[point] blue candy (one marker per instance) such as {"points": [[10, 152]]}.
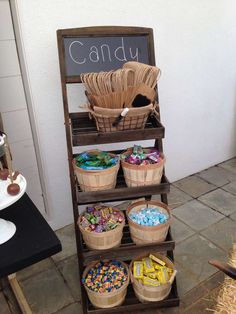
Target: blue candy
{"points": [[148, 217]]}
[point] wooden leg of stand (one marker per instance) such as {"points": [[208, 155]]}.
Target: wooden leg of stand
{"points": [[24, 306]]}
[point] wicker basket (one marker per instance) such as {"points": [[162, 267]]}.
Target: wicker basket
{"points": [[136, 118], [148, 234], [96, 180], [108, 299], [146, 293], [140, 175], [103, 240]]}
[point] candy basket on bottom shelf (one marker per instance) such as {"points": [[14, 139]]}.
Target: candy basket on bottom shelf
{"points": [[102, 218], [144, 234], [155, 292], [142, 174], [107, 299], [97, 178]]}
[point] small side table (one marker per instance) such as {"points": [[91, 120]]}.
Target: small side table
{"points": [[33, 241]]}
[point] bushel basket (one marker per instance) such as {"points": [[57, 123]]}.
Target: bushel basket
{"points": [[141, 234], [146, 293], [104, 240], [96, 180], [107, 299], [140, 175]]}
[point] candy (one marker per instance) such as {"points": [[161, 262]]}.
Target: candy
{"points": [[141, 156], [148, 216], [97, 160], [100, 218], [148, 265], [106, 276], [162, 275], [157, 260], [152, 273], [151, 282], [138, 270]]}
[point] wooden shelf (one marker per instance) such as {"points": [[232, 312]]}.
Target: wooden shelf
{"points": [[128, 249], [122, 192], [84, 132]]}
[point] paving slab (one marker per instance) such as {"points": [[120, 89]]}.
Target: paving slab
{"points": [[194, 295], [180, 231], [176, 197], [231, 187], [194, 186], [74, 308], [217, 176], [67, 238], [186, 279], [205, 305], [4, 309], [229, 165], [46, 292], [220, 200], [197, 215], [233, 216], [69, 270], [35, 269], [193, 255], [221, 233]]}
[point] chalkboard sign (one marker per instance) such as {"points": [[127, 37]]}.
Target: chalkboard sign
{"points": [[95, 49], [103, 54]]}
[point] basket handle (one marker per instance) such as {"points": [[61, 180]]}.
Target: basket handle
{"points": [[172, 278]]}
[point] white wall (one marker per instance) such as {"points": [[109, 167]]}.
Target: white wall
{"points": [[13, 109], [195, 48]]}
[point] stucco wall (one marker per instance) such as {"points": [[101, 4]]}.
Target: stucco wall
{"points": [[195, 49]]}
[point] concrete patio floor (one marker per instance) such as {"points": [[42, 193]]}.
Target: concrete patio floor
{"points": [[204, 222]]}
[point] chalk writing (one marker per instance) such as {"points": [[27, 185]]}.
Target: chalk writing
{"points": [[94, 54], [101, 53]]}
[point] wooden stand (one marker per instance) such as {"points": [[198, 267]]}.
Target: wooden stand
{"points": [[81, 131]]}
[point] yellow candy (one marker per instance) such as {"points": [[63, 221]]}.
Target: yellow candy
{"points": [[148, 265], [150, 282], [138, 269], [157, 260], [152, 275], [163, 275]]}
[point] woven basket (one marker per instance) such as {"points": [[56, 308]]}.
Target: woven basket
{"points": [[96, 180], [140, 175], [148, 234], [103, 240], [108, 299], [146, 293], [136, 118]]}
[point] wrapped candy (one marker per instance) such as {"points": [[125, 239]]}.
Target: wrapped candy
{"points": [[101, 218], [148, 216], [96, 160], [106, 276], [141, 156]]}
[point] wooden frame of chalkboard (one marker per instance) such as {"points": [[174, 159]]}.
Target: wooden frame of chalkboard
{"points": [[94, 49]]}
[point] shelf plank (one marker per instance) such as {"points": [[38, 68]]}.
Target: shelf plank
{"points": [[122, 192], [84, 131], [128, 249]]}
